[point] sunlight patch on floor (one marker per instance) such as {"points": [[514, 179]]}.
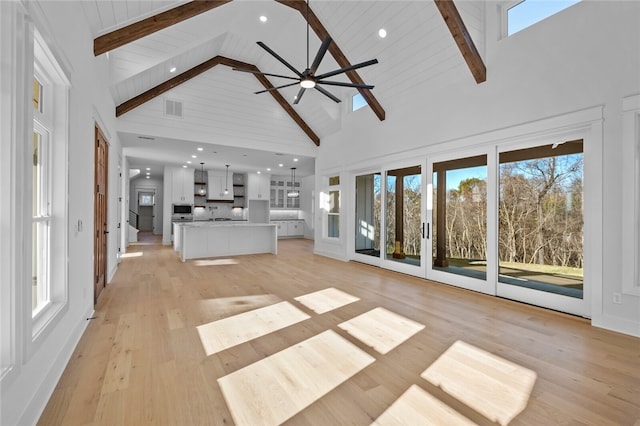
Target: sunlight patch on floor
{"points": [[134, 254], [274, 389], [494, 387], [223, 307], [228, 332], [418, 407], [215, 262], [381, 329], [326, 300]]}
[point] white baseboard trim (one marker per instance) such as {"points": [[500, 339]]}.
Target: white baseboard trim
{"points": [[616, 324], [112, 273], [36, 406], [329, 254]]}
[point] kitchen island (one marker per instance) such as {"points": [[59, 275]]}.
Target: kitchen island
{"points": [[195, 240]]}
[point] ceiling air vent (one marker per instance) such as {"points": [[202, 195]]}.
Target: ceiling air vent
{"points": [[172, 108]]}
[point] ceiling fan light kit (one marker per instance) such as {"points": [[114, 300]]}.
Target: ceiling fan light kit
{"points": [[307, 78]]}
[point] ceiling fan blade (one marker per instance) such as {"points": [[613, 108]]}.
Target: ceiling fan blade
{"points": [[327, 94], [279, 58], [275, 88], [340, 83], [299, 95], [323, 49], [349, 68], [266, 73]]}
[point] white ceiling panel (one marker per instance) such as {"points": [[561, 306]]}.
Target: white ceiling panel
{"points": [[418, 50]]}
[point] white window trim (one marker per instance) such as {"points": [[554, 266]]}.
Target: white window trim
{"points": [[631, 199], [55, 117], [325, 206], [44, 217]]}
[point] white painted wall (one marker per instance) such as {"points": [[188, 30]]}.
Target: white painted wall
{"points": [[37, 368], [585, 56], [307, 205]]}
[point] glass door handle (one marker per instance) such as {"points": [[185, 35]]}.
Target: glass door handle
{"points": [[428, 230]]}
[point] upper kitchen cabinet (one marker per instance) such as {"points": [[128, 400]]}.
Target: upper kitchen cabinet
{"points": [[258, 186], [219, 183], [182, 184], [281, 187]]}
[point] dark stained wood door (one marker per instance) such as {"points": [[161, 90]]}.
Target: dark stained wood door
{"points": [[100, 213]]}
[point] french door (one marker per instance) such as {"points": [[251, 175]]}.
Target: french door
{"points": [[457, 217], [504, 220], [389, 213], [540, 225]]}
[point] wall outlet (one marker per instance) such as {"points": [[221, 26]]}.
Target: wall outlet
{"points": [[617, 298]]}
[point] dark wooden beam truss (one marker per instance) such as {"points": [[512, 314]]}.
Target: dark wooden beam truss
{"points": [[207, 65], [462, 38], [150, 25]]}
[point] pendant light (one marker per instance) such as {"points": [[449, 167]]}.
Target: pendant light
{"points": [[202, 191], [226, 181], [293, 193]]}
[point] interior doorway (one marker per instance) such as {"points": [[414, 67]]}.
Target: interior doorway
{"points": [[101, 168], [146, 211]]}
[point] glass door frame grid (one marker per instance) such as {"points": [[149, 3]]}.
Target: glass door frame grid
{"points": [[487, 286], [571, 305], [415, 270], [353, 255]]}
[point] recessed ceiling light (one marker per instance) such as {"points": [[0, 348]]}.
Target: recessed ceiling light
{"points": [[295, 159], [194, 156], [148, 177], [148, 168], [280, 165], [173, 69], [259, 172], [382, 33], [262, 18], [188, 162], [269, 169], [200, 149], [184, 165], [148, 173]]}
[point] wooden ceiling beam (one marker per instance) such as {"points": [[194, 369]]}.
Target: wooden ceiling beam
{"points": [[137, 30], [338, 55], [207, 65], [462, 38]]}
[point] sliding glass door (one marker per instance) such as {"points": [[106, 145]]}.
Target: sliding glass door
{"points": [[540, 226], [457, 221], [368, 210], [506, 222], [389, 219]]}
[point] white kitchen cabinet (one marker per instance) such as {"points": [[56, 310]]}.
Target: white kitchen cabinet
{"points": [[295, 228], [258, 186], [182, 185], [280, 187], [282, 228], [217, 183], [289, 228]]}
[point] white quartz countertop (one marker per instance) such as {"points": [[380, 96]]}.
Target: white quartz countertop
{"points": [[221, 223]]}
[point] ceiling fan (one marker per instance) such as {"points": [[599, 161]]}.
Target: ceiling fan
{"points": [[308, 79]]}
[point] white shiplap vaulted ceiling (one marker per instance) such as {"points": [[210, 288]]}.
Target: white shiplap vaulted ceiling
{"points": [[219, 105]]}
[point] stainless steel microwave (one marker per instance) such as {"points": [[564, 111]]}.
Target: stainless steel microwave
{"points": [[182, 209]]}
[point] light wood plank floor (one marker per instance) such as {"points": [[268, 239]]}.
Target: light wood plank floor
{"points": [[463, 359]]}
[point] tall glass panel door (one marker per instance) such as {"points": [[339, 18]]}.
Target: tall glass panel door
{"points": [[458, 221], [540, 237], [368, 206], [403, 218]]}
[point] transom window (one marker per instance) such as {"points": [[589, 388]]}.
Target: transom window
{"points": [[528, 12], [358, 101]]}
